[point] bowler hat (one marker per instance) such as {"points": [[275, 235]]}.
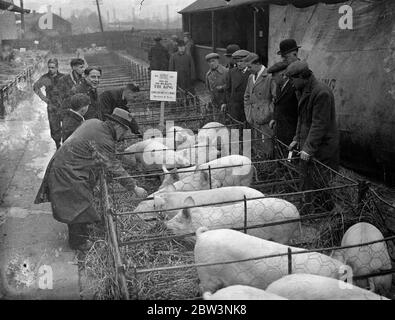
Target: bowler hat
{"points": [[252, 57], [230, 49], [212, 56], [297, 67], [287, 45], [123, 117], [277, 67], [240, 54]]}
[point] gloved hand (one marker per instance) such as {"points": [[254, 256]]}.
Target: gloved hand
{"points": [[140, 192]]}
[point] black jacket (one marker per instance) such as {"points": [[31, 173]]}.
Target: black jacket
{"points": [[71, 121]]}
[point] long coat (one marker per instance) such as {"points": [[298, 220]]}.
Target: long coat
{"points": [[185, 67], [286, 112], [235, 88], [317, 132], [258, 99], [216, 84], [158, 57], [74, 171], [94, 107]]}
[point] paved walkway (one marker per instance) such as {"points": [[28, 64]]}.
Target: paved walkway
{"points": [[35, 261]]}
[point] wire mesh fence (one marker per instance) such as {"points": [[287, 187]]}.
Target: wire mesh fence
{"points": [[158, 262]]}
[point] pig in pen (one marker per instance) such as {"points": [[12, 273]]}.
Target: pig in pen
{"points": [[157, 263]]}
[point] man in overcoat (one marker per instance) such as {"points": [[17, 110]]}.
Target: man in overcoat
{"points": [[185, 67], [215, 84], [158, 56], [74, 170], [258, 103], [236, 84], [285, 105], [316, 133]]}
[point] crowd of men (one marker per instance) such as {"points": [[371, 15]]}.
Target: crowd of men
{"points": [[284, 100]]}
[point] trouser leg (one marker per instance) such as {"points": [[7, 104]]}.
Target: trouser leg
{"points": [[78, 234], [55, 125]]}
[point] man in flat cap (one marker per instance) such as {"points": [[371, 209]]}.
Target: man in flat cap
{"points": [[230, 50], [258, 103], [316, 133], [215, 84], [183, 64], [158, 56], [172, 44], [285, 105], [189, 44], [289, 51], [236, 84], [74, 171]]}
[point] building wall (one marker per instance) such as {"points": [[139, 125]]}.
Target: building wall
{"points": [[358, 65], [8, 29]]}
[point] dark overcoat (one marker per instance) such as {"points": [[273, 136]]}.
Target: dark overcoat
{"points": [[317, 132], [111, 99], [286, 112], [185, 67], [94, 108], [235, 88], [71, 121], [74, 171], [158, 57]]}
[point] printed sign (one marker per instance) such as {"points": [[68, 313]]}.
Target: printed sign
{"points": [[163, 85]]}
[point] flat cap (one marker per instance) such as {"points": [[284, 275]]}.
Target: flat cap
{"points": [[181, 43], [296, 68], [158, 38], [252, 57], [230, 49], [212, 56], [240, 54], [277, 67]]}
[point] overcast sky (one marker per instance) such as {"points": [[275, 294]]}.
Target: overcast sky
{"points": [[123, 8]]}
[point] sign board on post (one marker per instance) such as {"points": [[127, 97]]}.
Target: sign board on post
{"points": [[163, 88]]}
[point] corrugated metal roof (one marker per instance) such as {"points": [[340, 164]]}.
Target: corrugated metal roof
{"points": [[204, 5], [4, 5]]}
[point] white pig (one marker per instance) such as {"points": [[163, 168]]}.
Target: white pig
{"points": [[169, 200], [366, 259], [156, 154], [216, 246], [260, 211], [210, 132], [315, 287], [241, 293], [234, 170]]}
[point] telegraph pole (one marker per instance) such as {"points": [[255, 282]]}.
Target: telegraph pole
{"points": [[98, 11], [22, 21]]}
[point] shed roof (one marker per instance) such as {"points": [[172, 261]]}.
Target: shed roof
{"points": [[9, 6], [208, 5]]}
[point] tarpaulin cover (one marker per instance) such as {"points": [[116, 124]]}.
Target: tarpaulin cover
{"points": [[202, 5], [358, 64]]}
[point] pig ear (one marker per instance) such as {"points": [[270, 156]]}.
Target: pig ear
{"points": [[189, 202], [204, 176], [164, 168], [159, 201], [186, 213], [171, 188]]}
